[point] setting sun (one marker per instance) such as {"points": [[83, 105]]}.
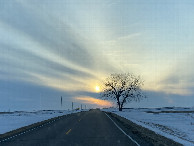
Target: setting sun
{"points": [[97, 88]]}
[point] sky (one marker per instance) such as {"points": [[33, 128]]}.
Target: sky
{"points": [[50, 49]]}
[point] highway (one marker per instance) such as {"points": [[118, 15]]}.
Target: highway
{"points": [[91, 128]]}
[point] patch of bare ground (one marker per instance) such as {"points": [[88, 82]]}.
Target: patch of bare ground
{"points": [[170, 112]]}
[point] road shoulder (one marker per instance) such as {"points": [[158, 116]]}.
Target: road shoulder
{"points": [[142, 135]]}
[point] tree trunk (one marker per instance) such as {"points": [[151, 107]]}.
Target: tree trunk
{"points": [[120, 107], [119, 104]]}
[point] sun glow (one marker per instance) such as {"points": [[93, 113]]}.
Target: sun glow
{"points": [[91, 100], [97, 88]]}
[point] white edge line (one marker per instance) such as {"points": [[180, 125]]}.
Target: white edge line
{"points": [[123, 131]]}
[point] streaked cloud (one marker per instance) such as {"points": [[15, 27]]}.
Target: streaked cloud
{"points": [[48, 51], [91, 100], [72, 45]]}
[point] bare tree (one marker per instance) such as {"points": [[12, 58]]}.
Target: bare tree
{"points": [[123, 88]]}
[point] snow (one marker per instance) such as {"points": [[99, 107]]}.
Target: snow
{"points": [[174, 123], [14, 120]]}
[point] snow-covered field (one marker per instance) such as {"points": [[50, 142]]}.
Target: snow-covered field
{"points": [[174, 123], [15, 120]]}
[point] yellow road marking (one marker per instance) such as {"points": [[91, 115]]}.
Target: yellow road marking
{"points": [[68, 131]]}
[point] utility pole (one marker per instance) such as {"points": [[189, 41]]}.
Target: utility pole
{"points": [[81, 106], [72, 105], [85, 106], [61, 101]]}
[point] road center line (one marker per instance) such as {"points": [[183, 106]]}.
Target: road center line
{"points": [[68, 131], [123, 131]]}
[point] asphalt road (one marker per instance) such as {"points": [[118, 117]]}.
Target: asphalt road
{"points": [[85, 128]]}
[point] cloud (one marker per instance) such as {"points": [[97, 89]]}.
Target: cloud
{"points": [[112, 2], [171, 79], [48, 31], [128, 37], [162, 99], [43, 48], [20, 95], [179, 80], [91, 100]]}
